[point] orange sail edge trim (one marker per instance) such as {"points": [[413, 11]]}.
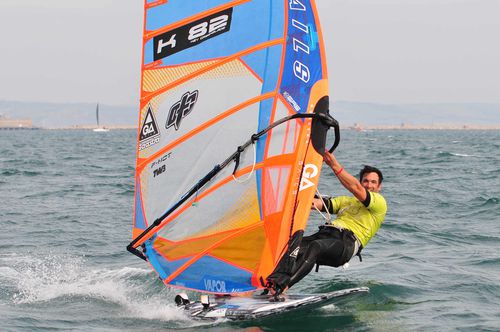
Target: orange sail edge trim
{"points": [[298, 204], [183, 267], [142, 163], [138, 191], [147, 96], [313, 157], [154, 4], [321, 40], [151, 33], [138, 130]]}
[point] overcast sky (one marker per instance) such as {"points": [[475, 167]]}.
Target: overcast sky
{"points": [[387, 51]]}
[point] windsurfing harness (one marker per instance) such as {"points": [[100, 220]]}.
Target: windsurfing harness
{"points": [[221, 88]]}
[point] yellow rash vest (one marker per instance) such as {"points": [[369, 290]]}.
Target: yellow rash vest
{"points": [[363, 221]]}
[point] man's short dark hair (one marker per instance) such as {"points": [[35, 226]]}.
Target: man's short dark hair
{"points": [[370, 169]]}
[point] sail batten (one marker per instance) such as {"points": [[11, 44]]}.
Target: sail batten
{"points": [[225, 167], [199, 15], [212, 65]]}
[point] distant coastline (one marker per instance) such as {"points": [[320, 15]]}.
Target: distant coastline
{"points": [[356, 115], [77, 127], [424, 127]]}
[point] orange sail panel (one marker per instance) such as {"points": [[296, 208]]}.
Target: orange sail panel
{"points": [[215, 73]]}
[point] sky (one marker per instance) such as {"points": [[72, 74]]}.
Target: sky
{"points": [[381, 51]]}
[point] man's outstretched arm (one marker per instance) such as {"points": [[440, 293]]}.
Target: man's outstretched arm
{"points": [[348, 181]]}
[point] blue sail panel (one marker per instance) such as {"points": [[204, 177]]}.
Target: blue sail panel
{"points": [[213, 275]]}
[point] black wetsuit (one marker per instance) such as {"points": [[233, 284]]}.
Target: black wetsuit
{"points": [[329, 246]]}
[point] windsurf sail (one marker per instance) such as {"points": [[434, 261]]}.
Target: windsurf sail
{"points": [[97, 114], [99, 128], [232, 126]]}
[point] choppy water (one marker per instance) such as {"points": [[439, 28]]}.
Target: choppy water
{"points": [[66, 205]]}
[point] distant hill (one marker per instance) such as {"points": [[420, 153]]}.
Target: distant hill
{"points": [[371, 114], [51, 115]]}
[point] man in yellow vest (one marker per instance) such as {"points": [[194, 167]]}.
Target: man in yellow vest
{"points": [[358, 219]]}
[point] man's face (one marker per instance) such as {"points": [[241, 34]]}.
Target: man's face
{"points": [[371, 182]]}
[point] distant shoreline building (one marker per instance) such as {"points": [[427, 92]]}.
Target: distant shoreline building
{"points": [[15, 124]]}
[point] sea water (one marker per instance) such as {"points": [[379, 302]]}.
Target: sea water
{"points": [[66, 204]]}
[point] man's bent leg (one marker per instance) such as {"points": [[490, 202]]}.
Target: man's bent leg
{"points": [[279, 279], [328, 251], [305, 263]]}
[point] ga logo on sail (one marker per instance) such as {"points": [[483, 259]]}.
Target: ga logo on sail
{"points": [[149, 134], [310, 172]]}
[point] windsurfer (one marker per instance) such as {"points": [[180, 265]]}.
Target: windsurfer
{"points": [[358, 219]]}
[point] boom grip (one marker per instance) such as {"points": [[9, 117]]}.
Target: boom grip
{"points": [[336, 130]]}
